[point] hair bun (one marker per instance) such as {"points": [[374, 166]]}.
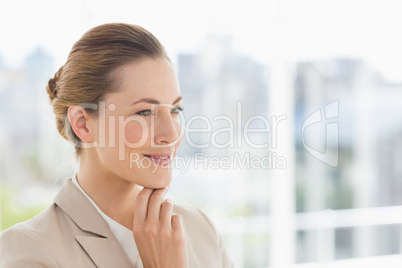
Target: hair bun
{"points": [[52, 88]]}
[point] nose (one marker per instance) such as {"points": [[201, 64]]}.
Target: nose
{"points": [[166, 128]]}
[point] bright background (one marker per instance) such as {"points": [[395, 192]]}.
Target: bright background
{"points": [[290, 57]]}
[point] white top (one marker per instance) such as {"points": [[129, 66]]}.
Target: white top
{"points": [[123, 235]]}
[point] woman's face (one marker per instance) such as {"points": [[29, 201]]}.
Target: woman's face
{"points": [[138, 129]]}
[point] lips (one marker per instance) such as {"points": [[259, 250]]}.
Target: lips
{"points": [[160, 158]]}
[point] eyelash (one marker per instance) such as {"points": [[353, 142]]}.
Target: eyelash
{"points": [[179, 108], [150, 112]]}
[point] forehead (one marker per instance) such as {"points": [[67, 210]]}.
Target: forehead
{"points": [[147, 78]]}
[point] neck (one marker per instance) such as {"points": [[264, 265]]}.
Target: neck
{"points": [[113, 195]]}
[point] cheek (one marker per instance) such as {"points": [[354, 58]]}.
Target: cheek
{"points": [[136, 133], [179, 129], [180, 132]]}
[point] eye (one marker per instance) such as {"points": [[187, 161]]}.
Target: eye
{"points": [[177, 110], [145, 112]]}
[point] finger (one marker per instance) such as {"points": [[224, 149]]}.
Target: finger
{"points": [[154, 204], [178, 230], [166, 213], [141, 205]]}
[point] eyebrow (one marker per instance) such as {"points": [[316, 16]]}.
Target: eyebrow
{"points": [[153, 101]]}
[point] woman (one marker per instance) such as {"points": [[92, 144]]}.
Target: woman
{"points": [[118, 100]]}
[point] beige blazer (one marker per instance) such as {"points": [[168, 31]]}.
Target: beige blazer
{"points": [[71, 234]]}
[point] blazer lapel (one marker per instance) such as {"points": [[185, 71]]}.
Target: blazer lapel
{"points": [[104, 252], [99, 242]]}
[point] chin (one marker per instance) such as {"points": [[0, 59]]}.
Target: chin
{"points": [[156, 180]]}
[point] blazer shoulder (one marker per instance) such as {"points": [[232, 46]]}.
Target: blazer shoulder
{"points": [[38, 225], [19, 247], [203, 236], [185, 209], [194, 214]]}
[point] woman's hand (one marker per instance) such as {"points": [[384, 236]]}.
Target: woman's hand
{"points": [[159, 235]]}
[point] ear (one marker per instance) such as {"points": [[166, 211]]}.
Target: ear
{"points": [[78, 118]]}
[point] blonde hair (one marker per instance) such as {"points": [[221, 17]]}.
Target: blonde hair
{"points": [[90, 71]]}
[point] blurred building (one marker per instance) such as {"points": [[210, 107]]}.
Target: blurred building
{"points": [[214, 82], [28, 129], [369, 147]]}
